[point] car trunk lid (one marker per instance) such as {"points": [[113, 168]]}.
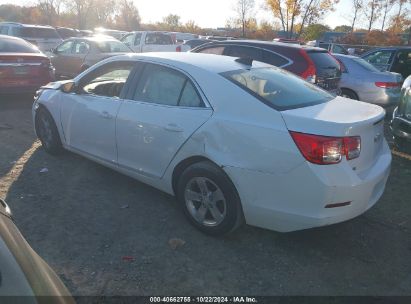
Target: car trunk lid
{"points": [[342, 117], [21, 65]]}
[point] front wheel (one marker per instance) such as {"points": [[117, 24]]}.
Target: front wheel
{"points": [[47, 132], [209, 199]]}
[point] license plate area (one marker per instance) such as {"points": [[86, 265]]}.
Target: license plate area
{"points": [[21, 70]]}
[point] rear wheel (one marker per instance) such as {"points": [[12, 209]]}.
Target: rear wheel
{"points": [[209, 199], [349, 94], [47, 132]]}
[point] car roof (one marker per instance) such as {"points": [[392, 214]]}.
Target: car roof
{"points": [[208, 62], [261, 43], [95, 38]]}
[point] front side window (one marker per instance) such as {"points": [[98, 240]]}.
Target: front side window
{"points": [[108, 80], [137, 40], [128, 39], [81, 48], [380, 58], [162, 85], [64, 48], [277, 88]]}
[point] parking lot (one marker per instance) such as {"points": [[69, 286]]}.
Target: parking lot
{"points": [[107, 234]]}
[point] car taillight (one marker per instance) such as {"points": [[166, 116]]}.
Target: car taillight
{"points": [[387, 85], [352, 146], [178, 49], [326, 150], [310, 73]]}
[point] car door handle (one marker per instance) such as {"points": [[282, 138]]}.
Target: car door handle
{"points": [[106, 115], [173, 128]]}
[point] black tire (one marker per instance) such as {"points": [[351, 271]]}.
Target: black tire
{"points": [[214, 176], [349, 94], [47, 132]]}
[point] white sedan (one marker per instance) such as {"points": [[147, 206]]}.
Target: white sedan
{"points": [[234, 140]]}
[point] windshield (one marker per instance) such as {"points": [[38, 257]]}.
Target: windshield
{"points": [[278, 88], [17, 46], [112, 46], [365, 65], [37, 32]]}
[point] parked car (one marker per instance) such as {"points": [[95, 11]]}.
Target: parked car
{"points": [[360, 80], [25, 275], [66, 32], [329, 46], [313, 64], [141, 42], [401, 120], [23, 68], [75, 55], [44, 37], [394, 59], [232, 139]]}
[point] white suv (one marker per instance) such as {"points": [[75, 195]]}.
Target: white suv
{"points": [[44, 37]]}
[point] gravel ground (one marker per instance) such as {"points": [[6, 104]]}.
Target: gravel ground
{"points": [[106, 234]]}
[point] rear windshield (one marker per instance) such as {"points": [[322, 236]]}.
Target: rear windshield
{"points": [[277, 88], [16, 46], [323, 60], [112, 46], [36, 32], [366, 65]]}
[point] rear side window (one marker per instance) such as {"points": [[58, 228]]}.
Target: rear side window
{"points": [[4, 30], [323, 60], [158, 38], [34, 32], [112, 46], [274, 59], [219, 50], [277, 88], [162, 85], [16, 46], [244, 52]]}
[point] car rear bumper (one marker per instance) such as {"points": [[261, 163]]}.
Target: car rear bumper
{"points": [[381, 97], [297, 200], [401, 128]]}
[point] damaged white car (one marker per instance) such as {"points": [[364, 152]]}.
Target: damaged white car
{"points": [[234, 140]]}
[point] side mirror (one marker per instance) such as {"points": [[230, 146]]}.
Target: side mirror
{"points": [[68, 87]]}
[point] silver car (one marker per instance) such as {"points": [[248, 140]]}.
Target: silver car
{"points": [[362, 81], [75, 55], [22, 272]]}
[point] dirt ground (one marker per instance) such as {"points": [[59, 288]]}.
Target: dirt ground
{"points": [[106, 234]]}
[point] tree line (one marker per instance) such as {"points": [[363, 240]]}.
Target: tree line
{"points": [[298, 19]]}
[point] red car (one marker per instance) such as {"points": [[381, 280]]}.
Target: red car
{"points": [[23, 68]]}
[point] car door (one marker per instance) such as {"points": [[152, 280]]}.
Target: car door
{"points": [[60, 56], [402, 63], [88, 116], [159, 115], [381, 59], [79, 52]]}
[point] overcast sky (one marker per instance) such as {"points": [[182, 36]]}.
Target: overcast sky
{"points": [[210, 13]]}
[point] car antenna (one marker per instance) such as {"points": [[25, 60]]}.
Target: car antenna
{"points": [[245, 60]]}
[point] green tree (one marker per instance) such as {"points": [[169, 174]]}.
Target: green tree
{"points": [[343, 28], [314, 31], [172, 22]]}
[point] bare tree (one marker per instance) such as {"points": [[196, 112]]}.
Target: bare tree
{"points": [[372, 12], [358, 6], [51, 9], [244, 10], [386, 6]]}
